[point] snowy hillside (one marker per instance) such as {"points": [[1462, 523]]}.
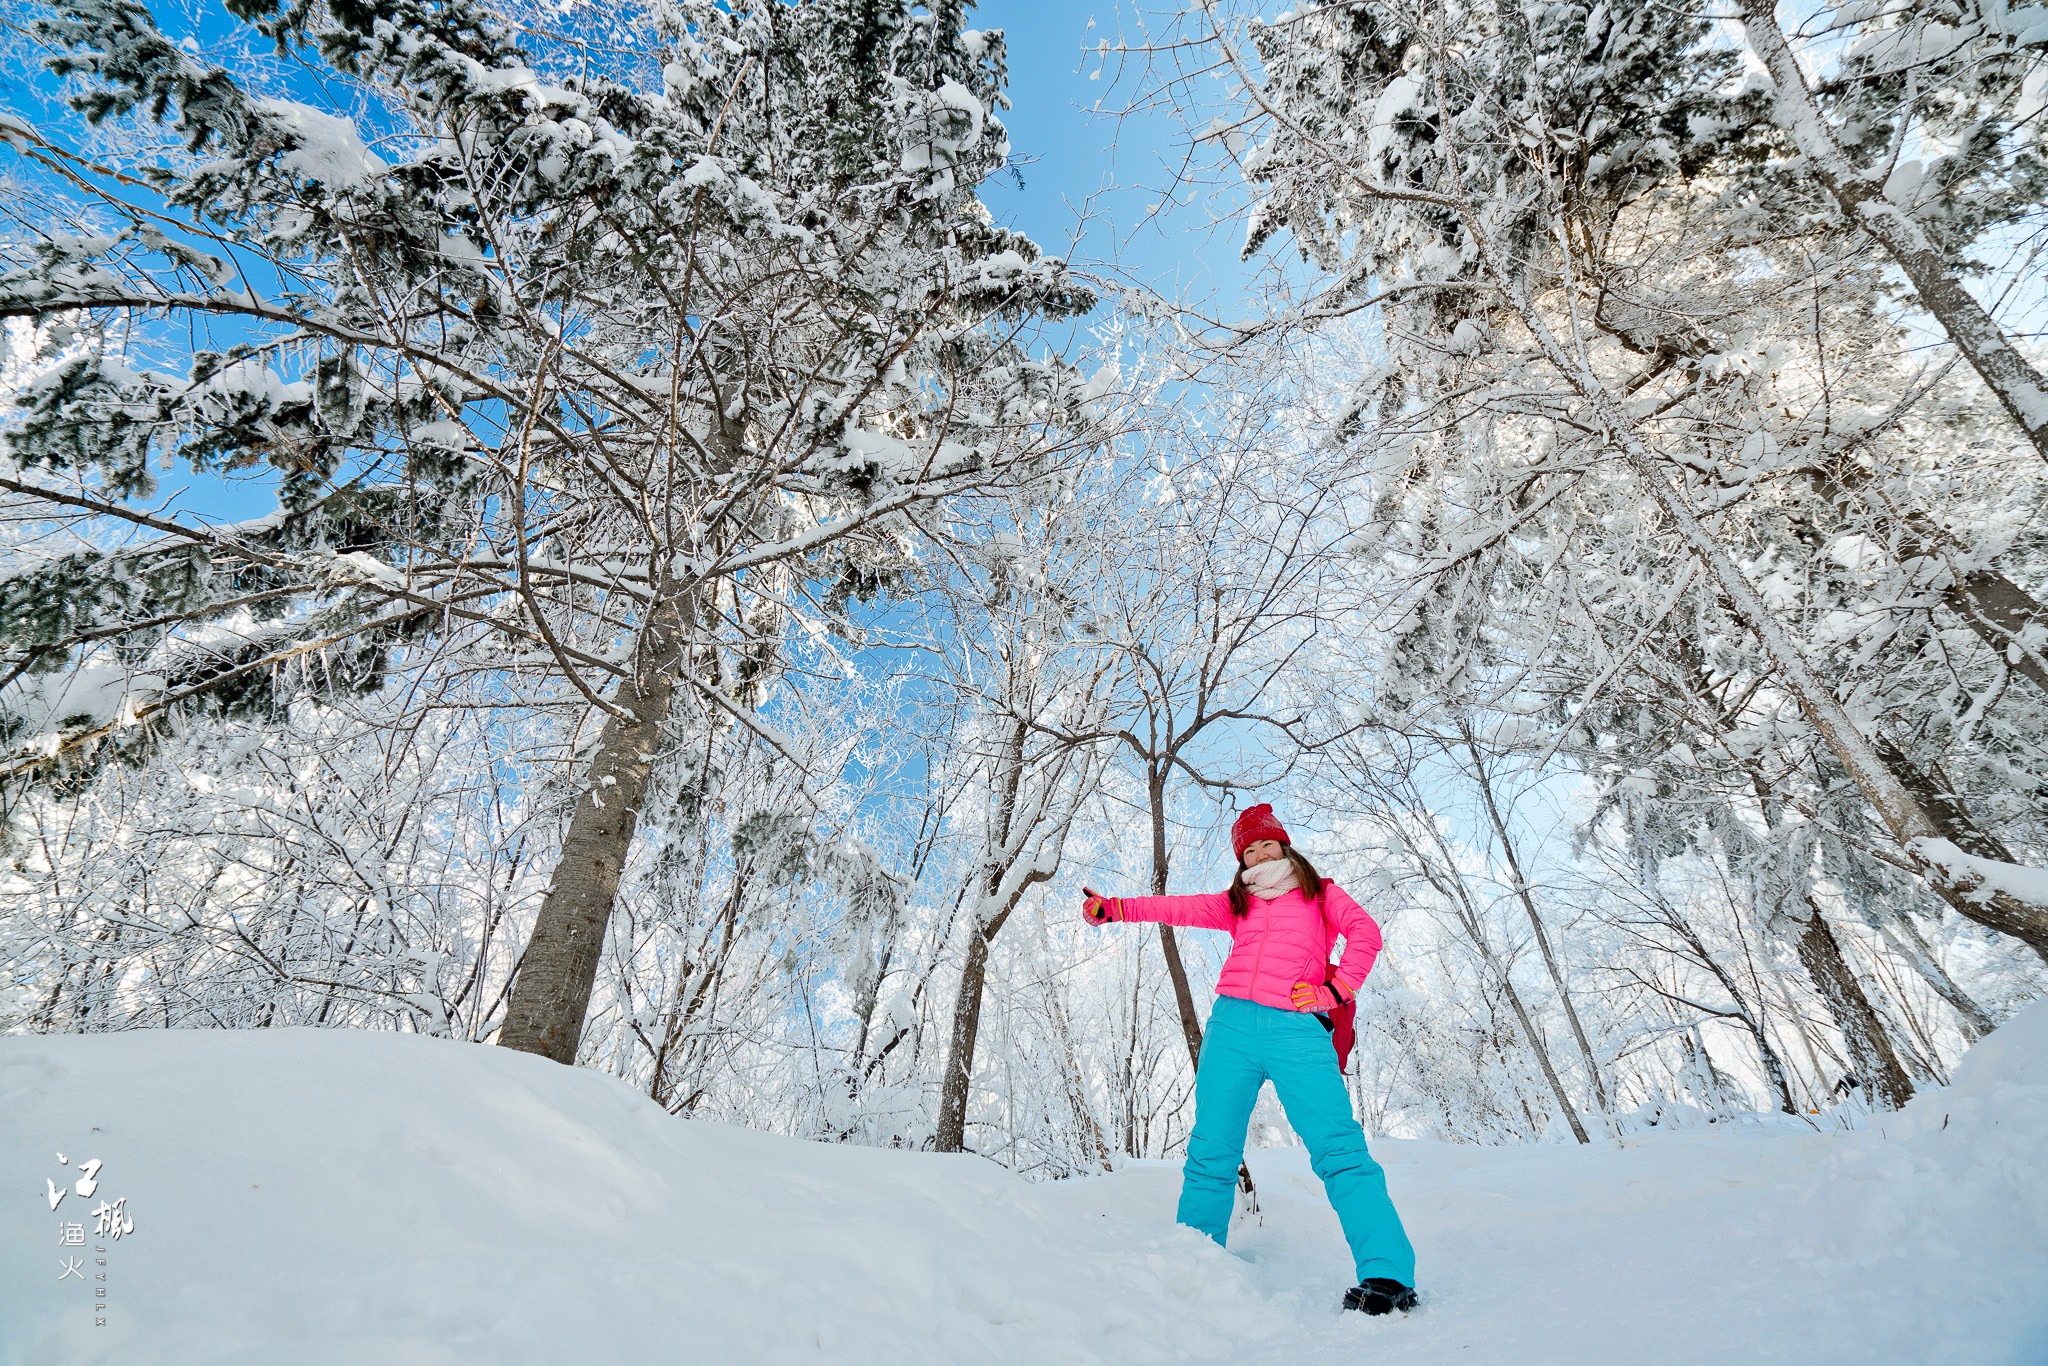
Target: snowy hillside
{"points": [[323, 1196]]}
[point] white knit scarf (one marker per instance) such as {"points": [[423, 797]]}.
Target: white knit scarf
{"points": [[1269, 879]]}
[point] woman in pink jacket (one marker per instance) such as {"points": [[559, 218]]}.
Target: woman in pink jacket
{"points": [[1282, 920]]}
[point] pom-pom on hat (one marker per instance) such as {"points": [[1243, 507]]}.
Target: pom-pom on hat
{"points": [[1253, 824]]}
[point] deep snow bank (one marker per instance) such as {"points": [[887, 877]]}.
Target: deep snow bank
{"points": [[302, 1196]]}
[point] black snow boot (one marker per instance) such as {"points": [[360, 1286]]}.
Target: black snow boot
{"points": [[1379, 1295]]}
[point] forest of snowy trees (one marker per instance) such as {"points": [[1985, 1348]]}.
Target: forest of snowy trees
{"points": [[722, 593]]}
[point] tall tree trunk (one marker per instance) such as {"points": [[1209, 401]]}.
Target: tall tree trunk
{"points": [[1538, 1047], [1774, 1066], [1954, 822], [1871, 1055], [1183, 995], [1128, 1120], [983, 925], [953, 1091], [1870, 1049], [551, 993], [1528, 901], [954, 1088], [2016, 383], [2000, 612]]}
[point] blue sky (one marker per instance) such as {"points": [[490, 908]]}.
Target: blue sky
{"points": [[1079, 152]]}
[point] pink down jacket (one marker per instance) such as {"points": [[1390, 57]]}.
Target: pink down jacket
{"points": [[1278, 943]]}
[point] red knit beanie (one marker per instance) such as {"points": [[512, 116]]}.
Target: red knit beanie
{"points": [[1253, 824]]}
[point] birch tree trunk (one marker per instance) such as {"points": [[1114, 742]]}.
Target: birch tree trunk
{"points": [[1537, 1046], [558, 971]]}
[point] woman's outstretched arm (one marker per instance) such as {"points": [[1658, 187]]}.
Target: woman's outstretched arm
{"points": [[1202, 911]]}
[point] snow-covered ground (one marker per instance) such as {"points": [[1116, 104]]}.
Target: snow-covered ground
{"points": [[305, 1196]]}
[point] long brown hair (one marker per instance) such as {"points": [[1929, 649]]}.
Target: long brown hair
{"points": [[1304, 873]]}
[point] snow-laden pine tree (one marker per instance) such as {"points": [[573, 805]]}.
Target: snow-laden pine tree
{"points": [[1636, 382], [593, 358], [1924, 132]]}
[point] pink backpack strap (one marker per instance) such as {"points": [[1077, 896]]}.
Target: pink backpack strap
{"points": [[1343, 1021]]}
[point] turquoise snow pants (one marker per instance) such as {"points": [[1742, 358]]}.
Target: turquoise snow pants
{"points": [[1246, 1045]]}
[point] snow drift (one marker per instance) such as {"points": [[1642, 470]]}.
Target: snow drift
{"points": [[321, 1196]]}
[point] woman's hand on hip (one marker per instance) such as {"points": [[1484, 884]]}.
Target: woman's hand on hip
{"points": [[1320, 997]]}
